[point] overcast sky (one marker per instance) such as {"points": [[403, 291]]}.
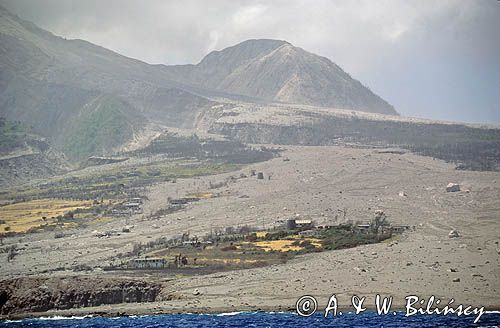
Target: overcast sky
{"points": [[433, 59]]}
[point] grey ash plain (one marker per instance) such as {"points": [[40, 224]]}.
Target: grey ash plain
{"points": [[345, 148]]}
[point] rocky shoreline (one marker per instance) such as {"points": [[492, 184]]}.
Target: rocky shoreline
{"points": [[84, 296], [162, 308], [35, 295]]}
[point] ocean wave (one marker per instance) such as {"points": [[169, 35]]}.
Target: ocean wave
{"points": [[228, 314], [57, 317]]}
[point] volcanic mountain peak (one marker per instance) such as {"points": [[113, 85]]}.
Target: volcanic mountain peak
{"points": [[48, 82], [276, 70]]}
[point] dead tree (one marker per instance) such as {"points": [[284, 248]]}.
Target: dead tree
{"points": [[378, 222], [12, 252]]}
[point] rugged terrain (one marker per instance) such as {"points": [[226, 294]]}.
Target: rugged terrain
{"points": [[316, 182], [275, 70], [25, 155], [253, 135], [69, 90]]}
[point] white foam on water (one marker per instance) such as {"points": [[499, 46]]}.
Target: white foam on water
{"points": [[228, 314], [57, 317]]}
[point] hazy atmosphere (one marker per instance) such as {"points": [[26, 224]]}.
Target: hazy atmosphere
{"points": [[429, 59], [249, 163]]}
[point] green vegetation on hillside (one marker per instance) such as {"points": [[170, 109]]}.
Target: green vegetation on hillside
{"points": [[11, 135], [118, 182], [246, 247], [100, 126], [91, 198]]}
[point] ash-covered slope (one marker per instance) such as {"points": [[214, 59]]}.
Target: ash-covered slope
{"points": [[52, 83], [88, 100], [278, 71], [25, 156]]}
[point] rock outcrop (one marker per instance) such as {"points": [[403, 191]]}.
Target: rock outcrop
{"points": [[97, 160], [43, 294], [452, 187]]}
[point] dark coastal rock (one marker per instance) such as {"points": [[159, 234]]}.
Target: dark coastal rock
{"points": [[43, 294]]}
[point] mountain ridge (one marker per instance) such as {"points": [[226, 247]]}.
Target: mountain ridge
{"points": [[275, 70], [48, 82]]}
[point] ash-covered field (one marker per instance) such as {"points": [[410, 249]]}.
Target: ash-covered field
{"points": [[328, 184]]}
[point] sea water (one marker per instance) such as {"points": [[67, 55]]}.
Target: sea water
{"points": [[262, 319]]}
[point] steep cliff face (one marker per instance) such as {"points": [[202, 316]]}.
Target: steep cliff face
{"points": [[43, 294], [469, 147]]}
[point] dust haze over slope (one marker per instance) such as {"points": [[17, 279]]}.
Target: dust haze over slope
{"points": [[88, 100], [196, 159], [276, 70], [48, 82]]}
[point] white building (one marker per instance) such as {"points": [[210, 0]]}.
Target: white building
{"points": [[148, 263]]}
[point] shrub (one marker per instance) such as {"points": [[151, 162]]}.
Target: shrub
{"points": [[229, 248]]}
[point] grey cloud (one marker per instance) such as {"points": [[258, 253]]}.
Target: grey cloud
{"points": [[435, 59]]}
